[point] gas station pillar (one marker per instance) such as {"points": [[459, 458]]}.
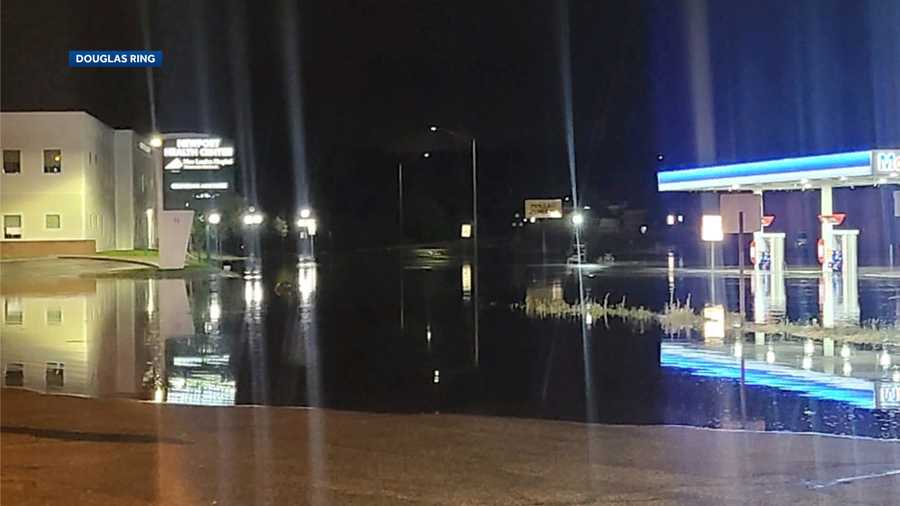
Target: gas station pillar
{"points": [[827, 228]]}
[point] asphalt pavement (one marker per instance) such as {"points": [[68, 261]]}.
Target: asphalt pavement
{"points": [[64, 450]]}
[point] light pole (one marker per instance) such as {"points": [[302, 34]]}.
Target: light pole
{"points": [[471, 141], [400, 196], [214, 218], [577, 221], [307, 226]]}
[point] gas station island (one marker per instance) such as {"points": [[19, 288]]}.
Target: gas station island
{"points": [[742, 188]]}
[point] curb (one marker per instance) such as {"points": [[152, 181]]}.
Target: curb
{"points": [[145, 263]]}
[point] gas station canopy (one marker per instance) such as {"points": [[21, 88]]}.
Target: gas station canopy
{"points": [[855, 168]]}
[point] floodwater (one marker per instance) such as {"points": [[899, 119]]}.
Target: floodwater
{"points": [[378, 333]]}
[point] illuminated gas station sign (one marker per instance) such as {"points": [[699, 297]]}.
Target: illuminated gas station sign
{"points": [[886, 161]]}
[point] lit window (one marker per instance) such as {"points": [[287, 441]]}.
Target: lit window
{"points": [[12, 161], [55, 375], [12, 312], [52, 161], [54, 316], [52, 222], [12, 226]]}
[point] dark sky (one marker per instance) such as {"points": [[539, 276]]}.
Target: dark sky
{"points": [[346, 88], [368, 76], [774, 78]]}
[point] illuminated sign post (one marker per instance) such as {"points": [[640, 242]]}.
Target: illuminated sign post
{"points": [[886, 162], [197, 154], [540, 209], [543, 208], [711, 230], [196, 170]]}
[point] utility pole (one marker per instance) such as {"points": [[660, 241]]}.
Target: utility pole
{"points": [[400, 195], [475, 243]]}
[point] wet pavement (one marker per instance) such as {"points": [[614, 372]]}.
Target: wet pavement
{"points": [[64, 450], [389, 335]]}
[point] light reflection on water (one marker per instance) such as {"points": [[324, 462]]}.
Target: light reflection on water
{"points": [[401, 339]]}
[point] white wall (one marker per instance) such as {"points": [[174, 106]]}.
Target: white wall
{"points": [[99, 184], [124, 179], [32, 193], [146, 175], [106, 185]]}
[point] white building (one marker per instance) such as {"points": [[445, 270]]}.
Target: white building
{"points": [[71, 184]]}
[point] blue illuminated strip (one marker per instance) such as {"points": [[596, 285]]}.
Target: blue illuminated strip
{"points": [[768, 167], [855, 392], [784, 165]]}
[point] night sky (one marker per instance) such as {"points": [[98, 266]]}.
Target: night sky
{"points": [[347, 88]]}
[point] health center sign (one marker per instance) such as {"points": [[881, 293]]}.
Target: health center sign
{"points": [[197, 153]]}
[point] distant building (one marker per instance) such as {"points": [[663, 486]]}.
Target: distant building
{"points": [[71, 184]]}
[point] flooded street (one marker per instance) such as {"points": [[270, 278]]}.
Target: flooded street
{"points": [[392, 335]]}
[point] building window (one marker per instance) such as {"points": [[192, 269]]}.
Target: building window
{"points": [[54, 316], [52, 161], [12, 312], [55, 375], [12, 226], [12, 159], [52, 222], [15, 374]]}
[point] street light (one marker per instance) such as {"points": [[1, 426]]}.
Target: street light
{"points": [[426, 155], [307, 227], [156, 141], [577, 219], [212, 218], [253, 218], [309, 224]]}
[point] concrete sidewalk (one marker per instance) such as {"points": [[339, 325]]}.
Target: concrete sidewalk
{"points": [[61, 450]]}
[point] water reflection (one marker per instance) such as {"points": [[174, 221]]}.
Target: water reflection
{"points": [[839, 298], [95, 337], [313, 335], [749, 374]]}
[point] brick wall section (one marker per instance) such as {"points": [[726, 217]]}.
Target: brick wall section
{"points": [[28, 249]]}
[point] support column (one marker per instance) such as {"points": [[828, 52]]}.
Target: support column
{"points": [[827, 227], [760, 245], [762, 204]]}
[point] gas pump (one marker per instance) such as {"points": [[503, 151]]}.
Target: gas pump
{"points": [[839, 286], [767, 252], [769, 299]]}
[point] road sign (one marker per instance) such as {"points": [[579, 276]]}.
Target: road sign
{"points": [[543, 208], [730, 207]]}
